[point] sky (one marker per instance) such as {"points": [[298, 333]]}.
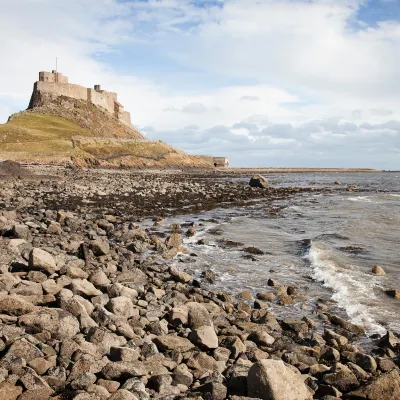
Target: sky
{"points": [[262, 82]]}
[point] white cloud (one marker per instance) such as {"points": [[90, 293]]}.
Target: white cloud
{"points": [[287, 77]]}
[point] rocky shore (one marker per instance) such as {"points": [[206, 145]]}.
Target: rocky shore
{"points": [[95, 304]]}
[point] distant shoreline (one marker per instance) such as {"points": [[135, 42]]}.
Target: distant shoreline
{"points": [[271, 170]]}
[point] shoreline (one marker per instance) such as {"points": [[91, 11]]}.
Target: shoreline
{"points": [[95, 304]]}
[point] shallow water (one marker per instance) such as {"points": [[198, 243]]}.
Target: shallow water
{"points": [[324, 244]]}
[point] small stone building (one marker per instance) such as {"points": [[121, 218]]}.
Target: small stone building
{"points": [[221, 162]]}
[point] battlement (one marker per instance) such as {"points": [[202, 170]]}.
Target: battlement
{"points": [[54, 84]]}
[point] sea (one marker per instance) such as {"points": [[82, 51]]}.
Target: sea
{"points": [[323, 244]]}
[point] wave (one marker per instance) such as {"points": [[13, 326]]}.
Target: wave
{"points": [[350, 288], [360, 198]]}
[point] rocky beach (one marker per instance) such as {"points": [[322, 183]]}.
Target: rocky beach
{"points": [[97, 300]]}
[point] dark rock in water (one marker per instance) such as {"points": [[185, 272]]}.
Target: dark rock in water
{"points": [[378, 270], [395, 293], [390, 341], [253, 250], [259, 181], [209, 276], [352, 249]]}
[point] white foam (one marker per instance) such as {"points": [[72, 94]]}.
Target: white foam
{"points": [[349, 286], [394, 195], [364, 199]]}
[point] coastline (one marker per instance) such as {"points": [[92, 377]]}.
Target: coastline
{"points": [[127, 317]]}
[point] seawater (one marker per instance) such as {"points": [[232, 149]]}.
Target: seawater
{"points": [[325, 244]]}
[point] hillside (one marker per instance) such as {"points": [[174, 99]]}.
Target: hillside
{"points": [[73, 130]]}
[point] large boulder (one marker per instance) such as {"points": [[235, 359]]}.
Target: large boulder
{"points": [[386, 387], [258, 181], [15, 305], [59, 324], [273, 380]]}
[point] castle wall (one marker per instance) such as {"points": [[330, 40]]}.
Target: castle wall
{"points": [[125, 118], [62, 89], [103, 99]]}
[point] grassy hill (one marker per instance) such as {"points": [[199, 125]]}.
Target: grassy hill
{"points": [[44, 135], [37, 133]]}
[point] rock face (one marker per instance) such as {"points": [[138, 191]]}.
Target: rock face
{"points": [[272, 380], [259, 181]]}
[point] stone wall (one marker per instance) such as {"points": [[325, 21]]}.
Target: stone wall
{"points": [[62, 89], [102, 98]]}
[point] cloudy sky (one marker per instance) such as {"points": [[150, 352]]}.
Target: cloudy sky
{"points": [[264, 82]]}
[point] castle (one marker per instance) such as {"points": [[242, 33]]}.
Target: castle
{"points": [[54, 84]]}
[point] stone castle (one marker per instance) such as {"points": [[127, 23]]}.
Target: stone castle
{"points": [[54, 84]]}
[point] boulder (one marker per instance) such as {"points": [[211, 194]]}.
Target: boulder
{"points": [[385, 387], [171, 342], [378, 270], [258, 181], [273, 380], [121, 306], [123, 369], [9, 391], [394, 293], [43, 261], [84, 288], [59, 324], [100, 247], [205, 336], [15, 305]]}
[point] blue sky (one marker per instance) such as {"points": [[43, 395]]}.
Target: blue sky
{"points": [[273, 82]]}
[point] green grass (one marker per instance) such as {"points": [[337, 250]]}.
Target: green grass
{"points": [[37, 133]]}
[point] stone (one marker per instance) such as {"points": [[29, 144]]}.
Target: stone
{"points": [[198, 316], [37, 394], [123, 354], [75, 272], [258, 181], [394, 293], [123, 394], [272, 380], [122, 369], [205, 336], [179, 276], [261, 337], [20, 231], [99, 278], [84, 288], [216, 390], [385, 387], [341, 377], [171, 342], [378, 270], [15, 305], [100, 247], [59, 324], [31, 380], [41, 260], [20, 348], [121, 306], [9, 391], [389, 340]]}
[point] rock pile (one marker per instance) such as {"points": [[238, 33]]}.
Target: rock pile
{"points": [[95, 308]]}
